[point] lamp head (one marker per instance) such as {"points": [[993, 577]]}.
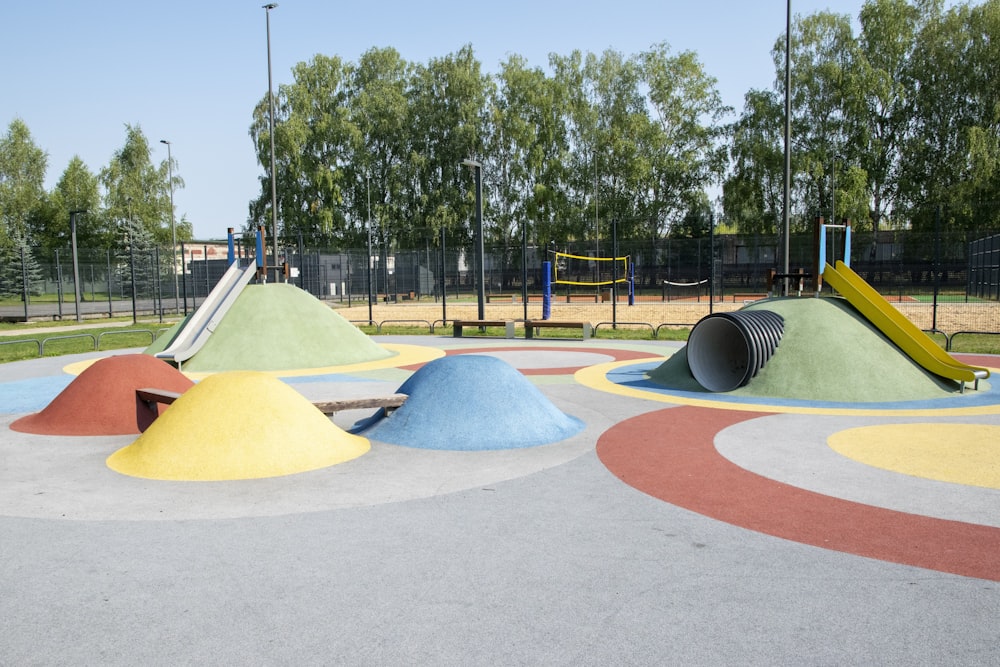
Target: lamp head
{"points": [[270, 5]]}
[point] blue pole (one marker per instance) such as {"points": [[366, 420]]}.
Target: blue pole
{"points": [[822, 247], [231, 250], [546, 290], [631, 284]]}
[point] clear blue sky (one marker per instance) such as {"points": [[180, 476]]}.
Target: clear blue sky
{"points": [[190, 71]]}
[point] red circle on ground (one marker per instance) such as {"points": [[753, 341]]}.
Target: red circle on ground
{"points": [[670, 455]]}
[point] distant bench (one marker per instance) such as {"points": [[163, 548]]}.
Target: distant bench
{"points": [[151, 397], [748, 297], [531, 325], [458, 325]]}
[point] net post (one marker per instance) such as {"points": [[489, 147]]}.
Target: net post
{"points": [[546, 290]]}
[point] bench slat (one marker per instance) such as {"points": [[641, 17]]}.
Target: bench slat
{"points": [[458, 325], [531, 325], [152, 396], [388, 402]]}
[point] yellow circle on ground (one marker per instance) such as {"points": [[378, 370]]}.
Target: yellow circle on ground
{"points": [[958, 453]]}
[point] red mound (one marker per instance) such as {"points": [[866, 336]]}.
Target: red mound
{"points": [[101, 401]]}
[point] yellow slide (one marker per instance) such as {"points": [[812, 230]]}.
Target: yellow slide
{"points": [[901, 331]]}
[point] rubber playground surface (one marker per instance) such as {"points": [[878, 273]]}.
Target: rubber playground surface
{"points": [[659, 526]]}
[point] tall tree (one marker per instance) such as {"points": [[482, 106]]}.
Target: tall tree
{"points": [[523, 147], [686, 153], [385, 145], [950, 158], [752, 194], [820, 54], [77, 190], [22, 194], [135, 191], [22, 178], [313, 149], [878, 90], [574, 76], [448, 115]]}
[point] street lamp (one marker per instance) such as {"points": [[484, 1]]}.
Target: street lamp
{"points": [[786, 189], [131, 254], [368, 182], [477, 168], [173, 230], [270, 98]]}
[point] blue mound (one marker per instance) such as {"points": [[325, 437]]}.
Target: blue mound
{"points": [[472, 403]]}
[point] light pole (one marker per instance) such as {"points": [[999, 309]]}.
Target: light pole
{"points": [[785, 193], [76, 263], [368, 182], [477, 168], [270, 99], [173, 229], [131, 255]]}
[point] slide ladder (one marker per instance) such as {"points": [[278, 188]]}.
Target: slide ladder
{"points": [[916, 344], [199, 327]]}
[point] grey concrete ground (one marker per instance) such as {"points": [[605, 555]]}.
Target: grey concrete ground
{"points": [[532, 556]]}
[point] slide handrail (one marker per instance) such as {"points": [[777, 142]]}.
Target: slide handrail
{"points": [[916, 344], [205, 319]]}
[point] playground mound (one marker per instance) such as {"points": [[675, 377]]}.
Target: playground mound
{"points": [[829, 352], [101, 400], [237, 425], [277, 327], [472, 402]]}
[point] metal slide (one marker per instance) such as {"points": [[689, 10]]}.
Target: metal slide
{"points": [[206, 318], [917, 345]]}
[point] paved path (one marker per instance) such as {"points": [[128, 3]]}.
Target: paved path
{"points": [[528, 556]]}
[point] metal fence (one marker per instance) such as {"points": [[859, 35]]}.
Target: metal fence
{"points": [[949, 282]]}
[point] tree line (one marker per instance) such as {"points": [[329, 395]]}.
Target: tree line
{"points": [[892, 123]]}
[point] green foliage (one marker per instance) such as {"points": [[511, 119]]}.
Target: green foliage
{"points": [[601, 138], [19, 266], [22, 176], [136, 193], [77, 190], [887, 125]]}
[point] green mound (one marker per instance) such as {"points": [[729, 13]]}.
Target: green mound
{"points": [[279, 327], [828, 352]]}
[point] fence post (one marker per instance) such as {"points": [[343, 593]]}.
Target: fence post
{"points": [[111, 311], [24, 281]]}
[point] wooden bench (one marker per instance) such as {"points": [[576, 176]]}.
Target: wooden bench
{"points": [[748, 297], [531, 325], [458, 325], [389, 403], [151, 397]]}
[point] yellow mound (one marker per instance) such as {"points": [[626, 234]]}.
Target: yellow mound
{"points": [[237, 425]]}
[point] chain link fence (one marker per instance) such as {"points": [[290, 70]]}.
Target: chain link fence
{"points": [[945, 282]]}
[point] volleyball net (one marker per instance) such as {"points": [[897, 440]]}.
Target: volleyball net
{"points": [[585, 270]]}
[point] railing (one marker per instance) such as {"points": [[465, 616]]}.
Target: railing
{"points": [[40, 343]]}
